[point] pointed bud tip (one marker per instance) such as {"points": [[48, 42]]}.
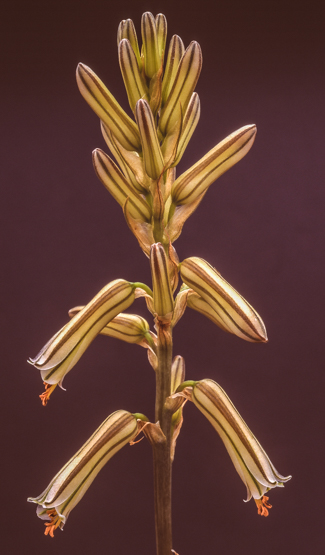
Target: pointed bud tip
{"points": [[81, 66]]}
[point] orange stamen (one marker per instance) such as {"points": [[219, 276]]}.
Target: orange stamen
{"points": [[45, 397], [263, 506], [54, 524]]}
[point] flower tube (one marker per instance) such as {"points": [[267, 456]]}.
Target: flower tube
{"points": [[248, 456], [64, 349], [72, 481]]}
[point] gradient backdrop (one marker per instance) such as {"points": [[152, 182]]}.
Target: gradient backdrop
{"points": [[260, 225]]}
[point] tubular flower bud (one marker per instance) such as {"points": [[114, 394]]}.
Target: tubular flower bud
{"points": [[175, 53], [190, 122], [116, 150], [163, 299], [133, 81], [107, 108], [185, 81], [72, 481], [115, 182], [126, 30], [127, 327], [65, 348], [234, 312], [177, 373], [196, 302], [152, 156], [129, 160], [217, 161], [161, 29], [249, 458], [152, 61]]}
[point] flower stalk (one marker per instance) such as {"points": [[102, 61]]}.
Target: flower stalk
{"points": [[156, 205]]}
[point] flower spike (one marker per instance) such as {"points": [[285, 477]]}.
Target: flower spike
{"points": [[249, 458], [72, 481], [63, 351], [233, 311]]}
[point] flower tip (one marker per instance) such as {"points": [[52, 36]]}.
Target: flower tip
{"points": [[252, 127], [81, 70], [79, 67]]}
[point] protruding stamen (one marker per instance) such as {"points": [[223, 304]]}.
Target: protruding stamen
{"points": [[54, 524], [263, 506], [45, 397]]}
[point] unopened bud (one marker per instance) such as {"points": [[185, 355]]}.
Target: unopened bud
{"points": [[192, 183], [234, 312]]}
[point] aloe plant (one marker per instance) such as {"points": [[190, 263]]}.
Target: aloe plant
{"points": [[156, 204]]}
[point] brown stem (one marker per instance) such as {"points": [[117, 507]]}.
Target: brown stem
{"points": [[161, 451]]}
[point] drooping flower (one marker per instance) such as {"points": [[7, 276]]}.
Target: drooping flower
{"points": [[72, 481], [64, 349], [248, 456]]}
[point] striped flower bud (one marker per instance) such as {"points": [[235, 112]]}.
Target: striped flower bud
{"points": [[163, 299], [116, 149], [65, 348], [107, 108], [217, 161], [249, 458], [115, 182], [177, 373], [150, 47], [127, 327], [129, 160], [161, 29], [133, 80], [175, 53], [71, 483], [185, 81], [126, 30], [189, 124], [235, 314], [177, 377], [152, 156], [196, 302]]}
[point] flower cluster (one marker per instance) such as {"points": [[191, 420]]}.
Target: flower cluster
{"points": [[156, 204]]}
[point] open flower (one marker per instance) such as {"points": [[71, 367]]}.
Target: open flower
{"points": [[248, 456], [71, 483], [65, 348]]}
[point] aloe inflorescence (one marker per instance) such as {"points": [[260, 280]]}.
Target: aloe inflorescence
{"points": [[160, 83]]}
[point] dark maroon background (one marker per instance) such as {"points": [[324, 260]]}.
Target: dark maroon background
{"points": [[260, 225]]}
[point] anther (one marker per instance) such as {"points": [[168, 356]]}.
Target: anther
{"points": [[45, 396], [263, 506]]}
